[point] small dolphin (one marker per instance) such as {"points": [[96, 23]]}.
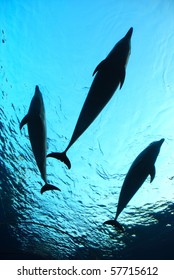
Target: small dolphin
{"points": [[35, 119], [142, 166], [110, 73]]}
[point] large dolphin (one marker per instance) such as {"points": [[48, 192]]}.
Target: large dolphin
{"points": [[35, 120], [110, 73], [142, 166]]}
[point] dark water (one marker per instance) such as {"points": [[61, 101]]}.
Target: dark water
{"points": [[57, 45]]}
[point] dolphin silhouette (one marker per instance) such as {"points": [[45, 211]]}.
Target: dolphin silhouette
{"points": [[110, 73], [142, 166], [35, 120]]}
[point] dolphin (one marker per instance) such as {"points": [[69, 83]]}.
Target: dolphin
{"points": [[109, 74], [142, 166], [35, 120]]}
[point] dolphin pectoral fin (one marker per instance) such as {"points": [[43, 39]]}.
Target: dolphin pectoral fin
{"points": [[152, 173], [62, 157], [115, 224], [100, 66], [48, 187], [122, 77], [24, 121]]}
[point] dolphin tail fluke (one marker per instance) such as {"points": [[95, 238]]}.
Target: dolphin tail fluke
{"points": [[115, 224], [62, 157], [48, 187]]}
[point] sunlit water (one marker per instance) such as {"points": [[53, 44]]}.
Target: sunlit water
{"points": [[57, 45]]}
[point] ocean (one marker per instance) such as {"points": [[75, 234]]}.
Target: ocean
{"points": [[57, 46]]}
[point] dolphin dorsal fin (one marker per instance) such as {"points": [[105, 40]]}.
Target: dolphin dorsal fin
{"points": [[100, 66], [152, 173], [24, 121]]}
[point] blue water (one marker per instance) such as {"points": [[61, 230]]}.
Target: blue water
{"points": [[57, 45]]}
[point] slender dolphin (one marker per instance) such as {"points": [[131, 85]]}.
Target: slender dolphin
{"points": [[142, 166], [110, 73], [35, 120]]}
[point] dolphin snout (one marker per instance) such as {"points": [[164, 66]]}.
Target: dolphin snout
{"points": [[129, 33], [37, 87], [161, 141]]}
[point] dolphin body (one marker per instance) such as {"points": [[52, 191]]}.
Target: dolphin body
{"points": [[110, 73], [35, 120], [142, 166]]}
